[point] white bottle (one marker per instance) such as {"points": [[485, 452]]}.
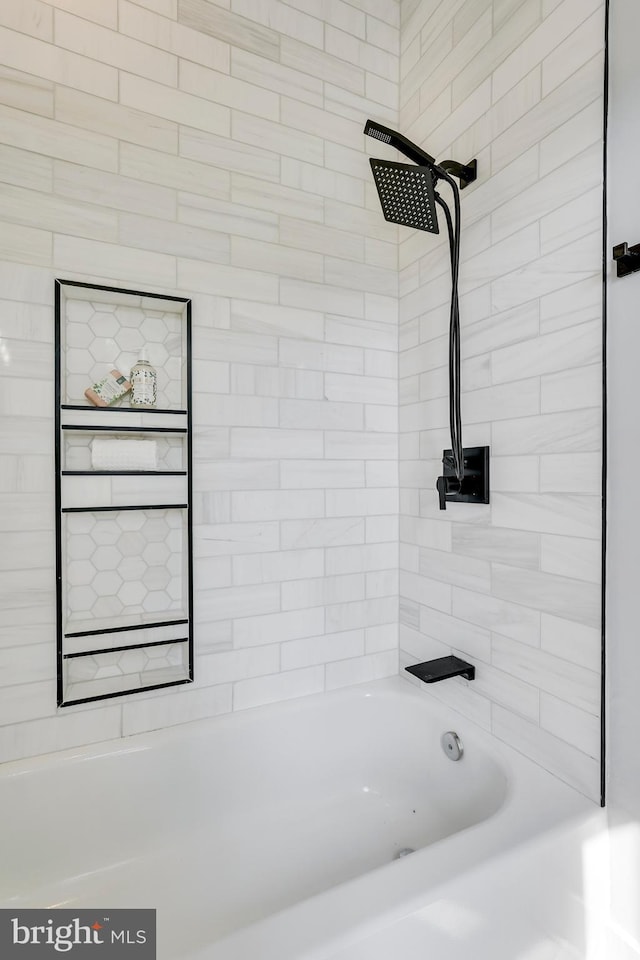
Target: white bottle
{"points": [[144, 383]]}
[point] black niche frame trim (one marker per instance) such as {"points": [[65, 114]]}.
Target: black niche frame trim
{"points": [[59, 285], [133, 646], [152, 625], [145, 410], [128, 506], [127, 693], [87, 428], [124, 473]]}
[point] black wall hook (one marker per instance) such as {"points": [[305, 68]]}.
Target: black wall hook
{"points": [[627, 258]]}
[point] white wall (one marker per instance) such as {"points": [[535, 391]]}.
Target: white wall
{"points": [[514, 585], [211, 150], [623, 537]]}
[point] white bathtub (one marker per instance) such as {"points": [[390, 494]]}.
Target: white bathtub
{"points": [[271, 834]]}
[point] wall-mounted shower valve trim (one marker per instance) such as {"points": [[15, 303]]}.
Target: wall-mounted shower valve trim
{"points": [[627, 258], [474, 486]]}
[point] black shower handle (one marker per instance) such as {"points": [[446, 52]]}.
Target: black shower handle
{"points": [[445, 485]]}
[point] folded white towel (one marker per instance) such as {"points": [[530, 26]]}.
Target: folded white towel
{"points": [[123, 454]]}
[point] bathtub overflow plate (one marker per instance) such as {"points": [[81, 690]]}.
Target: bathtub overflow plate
{"points": [[452, 745]]}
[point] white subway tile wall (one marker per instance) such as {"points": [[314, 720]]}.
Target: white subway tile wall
{"points": [[214, 149], [211, 150], [514, 586]]}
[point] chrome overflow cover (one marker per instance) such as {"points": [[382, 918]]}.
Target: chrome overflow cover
{"points": [[452, 745]]}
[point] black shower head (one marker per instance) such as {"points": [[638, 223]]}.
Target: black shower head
{"points": [[406, 191], [406, 194]]}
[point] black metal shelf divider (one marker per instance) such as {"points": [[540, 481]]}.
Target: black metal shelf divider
{"points": [[126, 429], [132, 506], [126, 629], [154, 411], [124, 473], [133, 646], [163, 630]]}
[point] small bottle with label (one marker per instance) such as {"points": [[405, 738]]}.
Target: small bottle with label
{"points": [[144, 383]]}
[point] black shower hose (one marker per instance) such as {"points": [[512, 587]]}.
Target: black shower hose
{"points": [[455, 416]]}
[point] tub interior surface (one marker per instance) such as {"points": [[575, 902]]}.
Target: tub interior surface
{"points": [[217, 831], [246, 870]]}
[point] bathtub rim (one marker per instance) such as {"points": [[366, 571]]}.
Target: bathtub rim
{"points": [[145, 740]]}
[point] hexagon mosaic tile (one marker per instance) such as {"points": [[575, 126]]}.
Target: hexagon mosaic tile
{"points": [[125, 564], [100, 337]]}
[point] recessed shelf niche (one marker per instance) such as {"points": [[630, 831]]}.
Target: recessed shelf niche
{"points": [[124, 532]]}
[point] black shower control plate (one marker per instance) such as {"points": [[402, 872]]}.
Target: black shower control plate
{"points": [[475, 485]]}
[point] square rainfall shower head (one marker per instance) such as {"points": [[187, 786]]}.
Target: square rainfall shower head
{"points": [[406, 193]]}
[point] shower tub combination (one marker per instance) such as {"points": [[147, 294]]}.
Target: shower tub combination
{"points": [[276, 832]]}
